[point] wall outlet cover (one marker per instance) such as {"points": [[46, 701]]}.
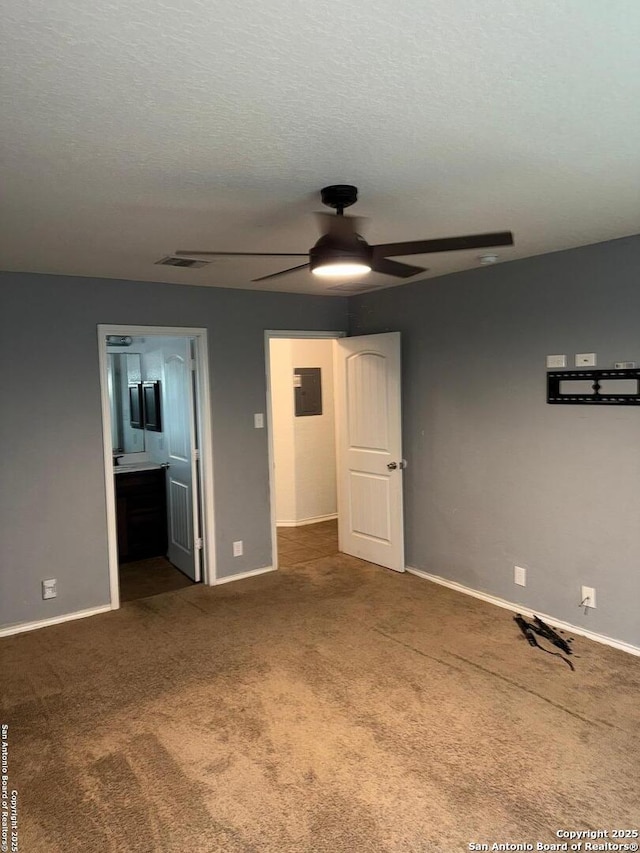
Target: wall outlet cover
{"points": [[588, 596], [258, 421], [519, 575], [585, 359], [49, 588], [237, 548], [556, 361]]}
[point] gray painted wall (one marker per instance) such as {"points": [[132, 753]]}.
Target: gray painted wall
{"points": [[496, 476], [52, 510]]}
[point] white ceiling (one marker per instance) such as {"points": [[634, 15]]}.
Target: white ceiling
{"points": [[133, 128]]}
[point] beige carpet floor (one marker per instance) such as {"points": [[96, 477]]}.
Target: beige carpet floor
{"points": [[331, 706]]}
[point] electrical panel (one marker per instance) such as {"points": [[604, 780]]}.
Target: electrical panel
{"points": [[307, 386]]}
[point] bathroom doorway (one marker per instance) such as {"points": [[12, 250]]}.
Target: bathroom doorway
{"points": [[158, 465]]}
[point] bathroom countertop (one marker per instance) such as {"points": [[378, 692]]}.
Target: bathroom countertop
{"points": [[136, 466]]}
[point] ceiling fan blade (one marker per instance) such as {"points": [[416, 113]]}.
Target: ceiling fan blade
{"points": [[183, 253], [445, 244], [388, 267], [282, 272]]}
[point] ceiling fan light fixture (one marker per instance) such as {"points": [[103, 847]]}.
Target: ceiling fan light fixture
{"points": [[340, 256], [340, 268]]}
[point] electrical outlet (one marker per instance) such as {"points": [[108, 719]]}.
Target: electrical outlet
{"points": [[49, 588], [258, 421], [238, 548], [519, 575], [588, 597]]}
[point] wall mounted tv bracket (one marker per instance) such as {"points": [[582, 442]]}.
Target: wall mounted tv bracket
{"points": [[572, 387]]}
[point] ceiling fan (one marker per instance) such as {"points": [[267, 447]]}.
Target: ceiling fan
{"points": [[341, 251]]}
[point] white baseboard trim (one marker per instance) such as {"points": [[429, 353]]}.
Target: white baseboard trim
{"points": [[316, 520], [520, 608], [55, 620], [244, 575]]}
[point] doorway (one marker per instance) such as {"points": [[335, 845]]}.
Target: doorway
{"points": [[367, 456], [158, 463], [301, 426]]}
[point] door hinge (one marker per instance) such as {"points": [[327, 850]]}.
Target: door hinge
{"points": [[196, 455], [193, 364], [199, 543]]}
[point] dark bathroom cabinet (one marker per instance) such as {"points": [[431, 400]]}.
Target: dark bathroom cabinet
{"points": [[142, 514]]}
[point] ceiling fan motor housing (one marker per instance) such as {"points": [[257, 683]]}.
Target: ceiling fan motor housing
{"points": [[339, 196], [332, 248]]}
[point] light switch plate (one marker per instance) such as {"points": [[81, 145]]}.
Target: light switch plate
{"points": [[585, 359], [258, 421], [556, 361], [519, 575]]}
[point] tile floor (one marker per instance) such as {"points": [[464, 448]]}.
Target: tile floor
{"points": [[153, 576], [299, 544]]}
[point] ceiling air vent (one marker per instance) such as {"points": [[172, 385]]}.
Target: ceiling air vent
{"points": [[355, 287], [187, 263]]}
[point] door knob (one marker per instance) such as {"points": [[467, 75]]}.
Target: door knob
{"points": [[392, 466]]}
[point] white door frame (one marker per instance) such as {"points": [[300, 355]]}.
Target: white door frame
{"points": [[203, 415], [269, 335]]}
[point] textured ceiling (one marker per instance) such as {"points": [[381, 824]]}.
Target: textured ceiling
{"points": [[132, 128]]}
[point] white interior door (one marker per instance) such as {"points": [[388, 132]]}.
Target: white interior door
{"points": [[369, 448], [179, 427]]}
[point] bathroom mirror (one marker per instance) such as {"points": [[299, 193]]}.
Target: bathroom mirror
{"points": [[124, 369]]}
